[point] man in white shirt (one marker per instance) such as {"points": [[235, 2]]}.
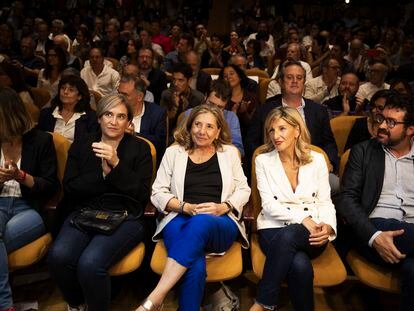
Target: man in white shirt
{"points": [[326, 85], [98, 76], [354, 56], [376, 76]]}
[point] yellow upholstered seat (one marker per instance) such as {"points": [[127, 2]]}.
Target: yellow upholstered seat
{"points": [[211, 71], [34, 251], [133, 259], [328, 268], [30, 253], [130, 262], [219, 268], [341, 127], [382, 278], [263, 86]]}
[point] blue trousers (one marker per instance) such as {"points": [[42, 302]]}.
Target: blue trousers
{"points": [[405, 244], [187, 240], [288, 256], [78, 261], [19, 225]]}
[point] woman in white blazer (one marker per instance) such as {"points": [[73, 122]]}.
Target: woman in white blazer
{"points": [[200, 191], [297, 218]]}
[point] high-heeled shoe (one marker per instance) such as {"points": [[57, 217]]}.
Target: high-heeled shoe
{"points": [[148, 305]]}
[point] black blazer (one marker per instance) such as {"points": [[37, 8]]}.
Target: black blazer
{"points": [[203, 82], [85, 125], [84, 182], [358, 133], [154, 126], [361, 187], [317, 121], [39, 160]]}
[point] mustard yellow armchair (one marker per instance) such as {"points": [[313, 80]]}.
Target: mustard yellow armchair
{"points": [[133, 259], [341, 127], [219, 268], [34, 251]]}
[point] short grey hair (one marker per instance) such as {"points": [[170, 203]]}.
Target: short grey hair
{"points": [[110, 101], [139, 84]]}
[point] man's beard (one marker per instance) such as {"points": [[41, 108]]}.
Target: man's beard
{"points": [[389, 142]]}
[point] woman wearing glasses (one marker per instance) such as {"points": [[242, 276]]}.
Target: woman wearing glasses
{"points": [[109, 161], [365, 128]]}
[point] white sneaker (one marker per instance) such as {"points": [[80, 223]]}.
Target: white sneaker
{"points": [[81, 307]]}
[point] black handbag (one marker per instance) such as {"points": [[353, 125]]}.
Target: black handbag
{"points": [[104, 215]]}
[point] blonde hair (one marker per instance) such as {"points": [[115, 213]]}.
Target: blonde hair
{"points": [[110, 101], [293, 118], [14, 118], [183, 134]]}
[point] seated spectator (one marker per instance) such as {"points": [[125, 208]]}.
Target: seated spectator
{"points": [[159, 38], [338, 51], [131, 56], [149, 120], [185, 44], [133, 70], [114, 46], [200, 191], [326, 85], [261, 27], [376, 81], [98, 76], [200, 80], [355, 55], [28, 169], [293, 54], [154, 78], [267, 52], [180, 96], [402, 87], [317, 53], [405, 52], [297, 218], [215, 56], [28, 62], [376, 197], [291, 80], [81, 46], [235, 47], [109, 166], [254, 60], [70, 113], [175, 33], [49, 77], [366, 128], [240, 61], [145, 41], [42, 42], [242, 102], [57, 28], [201, 39], [346, 103], [12, 77], [220, 94], [71, 60]]}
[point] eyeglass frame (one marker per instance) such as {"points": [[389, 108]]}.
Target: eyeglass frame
{"points": [[391, 123]]}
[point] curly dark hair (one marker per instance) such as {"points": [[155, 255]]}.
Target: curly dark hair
{"points": [[84, 103]]}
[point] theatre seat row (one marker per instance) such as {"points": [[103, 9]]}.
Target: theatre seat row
{"points": [[328, 268]]}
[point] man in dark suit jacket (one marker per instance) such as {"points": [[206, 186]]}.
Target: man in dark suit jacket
{"points": [[377, 194], [316, 116], [155, 79], [200, 81], [149, 119]]}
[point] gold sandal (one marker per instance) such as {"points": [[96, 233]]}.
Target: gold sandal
{"points": [[148, 305]]}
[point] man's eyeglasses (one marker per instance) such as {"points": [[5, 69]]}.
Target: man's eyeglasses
{"points": [[391, 123], [377, 107]]}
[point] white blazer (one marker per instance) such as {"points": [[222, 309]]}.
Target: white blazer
{"points": [[169, 183], [281, 206]]}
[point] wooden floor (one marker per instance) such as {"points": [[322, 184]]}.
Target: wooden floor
{"points": [[130, 290]]}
